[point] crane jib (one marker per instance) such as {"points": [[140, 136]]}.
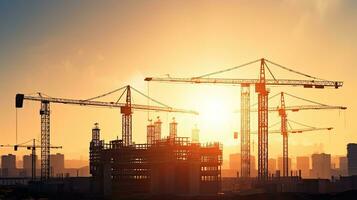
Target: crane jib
{"points": [[319, 84], [124, 108]]}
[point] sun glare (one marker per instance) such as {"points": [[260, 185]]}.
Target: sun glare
{"points": [[215, 120]]}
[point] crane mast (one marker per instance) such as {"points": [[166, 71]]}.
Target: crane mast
{"points": [[45, 139], [260, 88], [127, 119], [245, 130], [284, 133]]}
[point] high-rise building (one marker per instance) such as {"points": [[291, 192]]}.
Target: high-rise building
{"points": [[272, 165], [280, 165], [8, 165], [352, 158], [321, 166], [27, 164], [303, 164], [343, 166], [57, 164]]}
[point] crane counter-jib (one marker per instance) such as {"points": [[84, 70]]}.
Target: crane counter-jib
{"points": [[21, 97], [289, 82]]}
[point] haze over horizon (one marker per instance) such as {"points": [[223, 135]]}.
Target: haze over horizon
{"points": [[80, 50]]}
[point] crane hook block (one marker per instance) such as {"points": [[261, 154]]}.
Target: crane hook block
{"points": [[19, 100]]}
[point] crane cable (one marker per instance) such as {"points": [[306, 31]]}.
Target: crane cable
{"points": [[158, 102], [294, 71], [305, 99], [116, 90], [289, 120], [229, 69], [148, 101], [16, 124], [105, 94], [276, 64], [271, 126], [270, 97], [271, 73]]}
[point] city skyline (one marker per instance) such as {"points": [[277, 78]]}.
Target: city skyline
{"points": [[178, 99], [60, 61]]}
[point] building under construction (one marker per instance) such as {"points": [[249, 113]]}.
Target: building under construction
{"points": [[174, 165]]}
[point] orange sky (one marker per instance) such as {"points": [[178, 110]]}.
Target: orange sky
{"points": [[82, 50]]}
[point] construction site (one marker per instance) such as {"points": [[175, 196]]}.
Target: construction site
{"points": [[183, 166], [173, 165]]}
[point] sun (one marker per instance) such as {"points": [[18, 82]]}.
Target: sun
{"points": [[216, 119], [214, 111]]}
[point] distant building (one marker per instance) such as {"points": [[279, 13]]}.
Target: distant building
{"points": [[27, 164], [280, 165], [352, 159], [8, 166], [303, 164], [272, 165], [343, 166], [234, 161], [57, 164], [235, 164], [321, 166]]}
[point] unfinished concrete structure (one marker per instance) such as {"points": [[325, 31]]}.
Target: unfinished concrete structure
{"points": [[172, 165]]}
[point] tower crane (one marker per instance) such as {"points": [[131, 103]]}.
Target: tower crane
{"points": [[33, 148], [284, 131], [126, 110], [260, 88], [282, 111]]}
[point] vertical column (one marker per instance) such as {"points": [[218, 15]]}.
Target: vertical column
{"points": [[95, 147], [45, 140], [157, 125], [127, 119], [150, 133], [173, 129], [284, 133], [260, 88], [245, 130], [33, 160]]}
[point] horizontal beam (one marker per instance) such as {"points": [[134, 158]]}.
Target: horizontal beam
{"points": [[99, 104], [286, 82], [29, 146], [303, 107], [296, 130]]}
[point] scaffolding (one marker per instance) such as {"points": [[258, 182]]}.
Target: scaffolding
{"points": [[167, 166]]}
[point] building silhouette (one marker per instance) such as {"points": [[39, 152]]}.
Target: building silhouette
{"points": [[303, 164], [272, 165], [57, 164], [352, 158], [8, 166], [343, 166], [321, 166], [27, 164], [235, 164], [280, 165]]}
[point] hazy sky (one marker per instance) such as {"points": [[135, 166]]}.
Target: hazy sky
{"points": [[79, 49]]}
